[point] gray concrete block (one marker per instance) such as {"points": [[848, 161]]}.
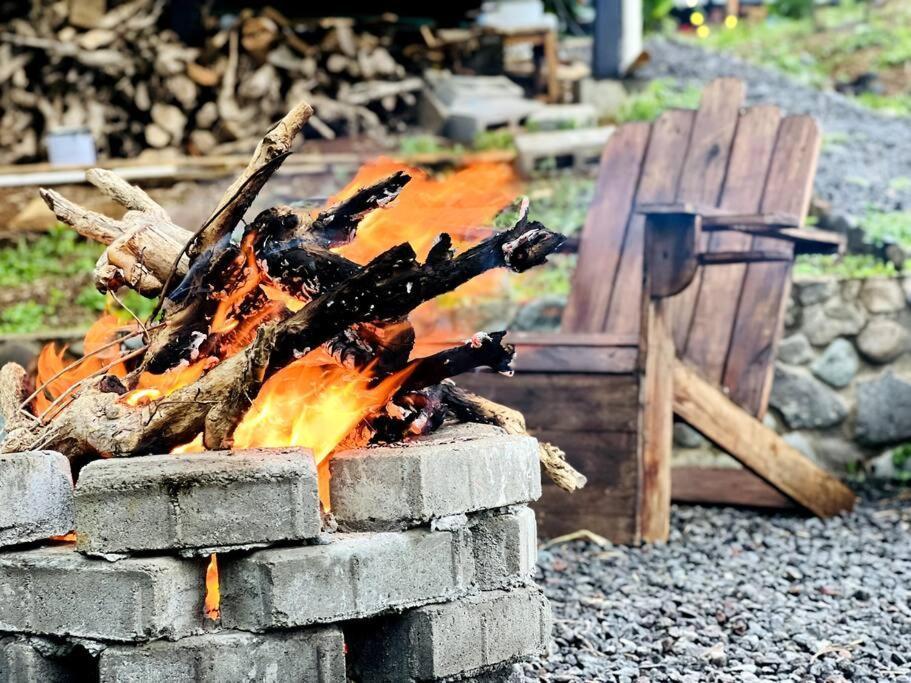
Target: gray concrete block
{"points": [[55, 590], [36, 497], [463, 637], [505, 548], [315, 655], [354, 576], [200, 500], [575, 148], [459, 469], [21, 662]]}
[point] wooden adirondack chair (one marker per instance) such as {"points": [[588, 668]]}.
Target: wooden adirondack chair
{"points": [[677, 307]]}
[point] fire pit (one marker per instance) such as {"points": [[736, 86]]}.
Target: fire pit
{"points": [[269, 485]]}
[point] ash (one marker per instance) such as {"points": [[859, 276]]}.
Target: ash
{"points": [[738, 595]]}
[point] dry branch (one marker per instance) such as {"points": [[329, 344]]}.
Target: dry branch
{"points": [[470, 407]]}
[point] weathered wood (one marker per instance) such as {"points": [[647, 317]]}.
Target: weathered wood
{"points": [[656, 421], [703, 174], [660, 176], [715, 306], [605, 225], [756, 446], [672, 250], [559, 357], [573, 402], [725, 486], [725, 258], [760, 319]]}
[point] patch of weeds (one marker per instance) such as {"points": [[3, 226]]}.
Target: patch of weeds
{"points": [[900, 183], [895, 105], [888, 226], [411, 145], [24, 316], [657, 97], [499, 138], [558, 201], [850, 266], [61, 252]]}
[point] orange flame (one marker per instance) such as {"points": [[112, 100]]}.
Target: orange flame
{"points": [[315, 406], [460, 204], [51, 361], [212, 604]]}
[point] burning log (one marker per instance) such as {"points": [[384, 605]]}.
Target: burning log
{"points": [[240, 314]]}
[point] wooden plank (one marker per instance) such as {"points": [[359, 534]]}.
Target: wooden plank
{"points": [[723, 258], [760, 319], [716, 300], [756, 446], [725, 486], [719, 217], [806, 241], [566, 403], [605, 228], [542, 339], [608, 505], [657, 421], [703, 173], [660, 175]]}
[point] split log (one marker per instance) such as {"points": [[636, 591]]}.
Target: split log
{"points": [[470, 407]]}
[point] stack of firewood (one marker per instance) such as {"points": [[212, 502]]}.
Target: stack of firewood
{"points": [[128, 78]]}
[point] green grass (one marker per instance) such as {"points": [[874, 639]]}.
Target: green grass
{"points": [[658, 96], [60, 253], [49, 276]]}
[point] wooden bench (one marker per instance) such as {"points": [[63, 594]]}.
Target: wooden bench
{"points": [[677, 308]]}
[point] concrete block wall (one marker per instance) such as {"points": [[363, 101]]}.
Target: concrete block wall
{"points": [[129, 594]]}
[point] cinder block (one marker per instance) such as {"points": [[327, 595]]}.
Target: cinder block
{"points": [[354, 576], [314, 655], [22, 662], [203, 500], [463, 637], [36, 497], [55, 590], [458, 469], [561, 148], [505, 548]]}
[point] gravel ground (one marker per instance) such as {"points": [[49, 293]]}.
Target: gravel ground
{"points": [[866, 156], [738, 596]]}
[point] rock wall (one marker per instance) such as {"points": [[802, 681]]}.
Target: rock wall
{"points": [[842, 388]]}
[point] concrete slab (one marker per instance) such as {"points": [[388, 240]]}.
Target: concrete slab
{"points": [[505, 548], [354, 576], [200, 500], [57, 591], [36, 497], [314, 655], [459, 469], [463, 637]]}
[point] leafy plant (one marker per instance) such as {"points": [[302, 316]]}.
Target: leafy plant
{"points": [[658, 96], [25, 316], [655, 13], [499, 138], [793, 9]]}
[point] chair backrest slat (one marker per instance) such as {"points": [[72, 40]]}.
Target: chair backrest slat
{"points": [[660, 178], [605, 228], [766, 287], [705, 343]]}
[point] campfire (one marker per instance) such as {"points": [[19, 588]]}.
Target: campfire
{"points": [[277, 396], [291, 330]]}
